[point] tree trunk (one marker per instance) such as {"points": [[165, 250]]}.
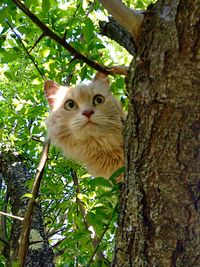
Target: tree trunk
{"points": [[16, 175], [159, 209]]}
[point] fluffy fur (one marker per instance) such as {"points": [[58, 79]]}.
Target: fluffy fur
{"points": [[90, 132]]}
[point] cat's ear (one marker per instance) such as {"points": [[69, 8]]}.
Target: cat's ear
{"points": [[50, 90], [102, 79]]}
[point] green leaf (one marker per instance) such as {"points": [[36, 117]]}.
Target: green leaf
{"points": [[83, 73], [92, 218], [88, 30], [8, 75], [3, 14], [46, 5], [15, 264], [27, 195], [78, 46], [100, 181], [9, 56]]}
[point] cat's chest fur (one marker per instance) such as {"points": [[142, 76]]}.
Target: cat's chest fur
{"points": [[86, 124], [102, 156]]}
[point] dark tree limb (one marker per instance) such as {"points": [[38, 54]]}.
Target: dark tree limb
{"points": [[15, 175], [3, 228], [4, 241], [60, 40], [24, 242], [118, 33]]}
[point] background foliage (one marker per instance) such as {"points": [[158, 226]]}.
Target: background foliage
{"points": [[26, 60]]}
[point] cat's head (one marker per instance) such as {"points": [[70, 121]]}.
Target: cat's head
{"points": [[84, 110]]}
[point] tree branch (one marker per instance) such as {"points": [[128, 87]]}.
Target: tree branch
{"points": [[16, 174], [62, 42], [24, 241], [37, 41], [25, 49], [115, 31], [78, 201], [11, 215], [130, 19]]}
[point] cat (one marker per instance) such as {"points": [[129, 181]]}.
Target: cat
{"points": [[86, 123]]}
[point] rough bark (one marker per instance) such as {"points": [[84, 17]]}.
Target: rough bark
{"points": [[159, 208], [118, 33], [16, 175]]}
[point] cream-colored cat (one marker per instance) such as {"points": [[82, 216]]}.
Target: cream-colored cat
{"points": [[85, 122]]}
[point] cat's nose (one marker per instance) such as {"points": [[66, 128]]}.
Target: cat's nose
{"points": [[87, 113]]}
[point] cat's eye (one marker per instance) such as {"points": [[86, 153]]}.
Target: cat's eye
{"points": [[70, 105], [98, 100]]}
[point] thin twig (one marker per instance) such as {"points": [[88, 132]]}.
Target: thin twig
{"points": [[53, 220], [78, 201], [24, 239], [4, 241], [58, 243], [101, 237], [12, 216], [97, 245], [37, 41], [53, 232], [62, 42], [35, 138], [70, 75], [94, 240], [25, 49], [72, 20]]}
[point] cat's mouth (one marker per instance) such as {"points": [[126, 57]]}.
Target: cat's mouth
{"points": [[89, 122]]}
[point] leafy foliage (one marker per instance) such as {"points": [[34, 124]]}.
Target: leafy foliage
{"points": [[26, 59]]}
